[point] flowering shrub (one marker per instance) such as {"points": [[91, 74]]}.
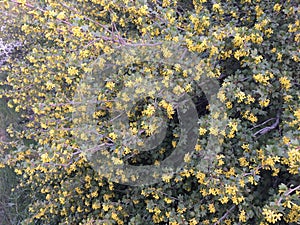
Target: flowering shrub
{"points": [[249, 48]]}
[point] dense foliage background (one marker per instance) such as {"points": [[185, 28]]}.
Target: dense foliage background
{"points": [[250, 47]]}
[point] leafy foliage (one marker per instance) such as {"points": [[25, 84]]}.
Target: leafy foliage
{"points": [[250, 47]]}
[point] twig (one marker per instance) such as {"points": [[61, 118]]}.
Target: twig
{"points": [[252, 172], [267, 129], [169, 195], [72, 103], [225, 215], [288, 192], [259, 125], [291, 190], [183, 54]]}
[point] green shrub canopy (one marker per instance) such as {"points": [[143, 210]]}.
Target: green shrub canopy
{"points": [[215, 83]]}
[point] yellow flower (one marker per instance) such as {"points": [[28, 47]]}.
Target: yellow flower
{"points": [[193, 222], [279, 57], [144, 10], [200, 176], [252, 118], [62, 200], [297, 114], [285, 82], [231, 190], [61, 16], [264, 103], [224, 200], [198, 148], [45, 157], [49, 85], [167, 177], [174, 223], [249, 100], [181, 210], [187, 158], [229, 105], [68, 80], [105, 208], [258, 59], [245, 146], [258, 11], [96, 205], [238, 41], [25, 28], [113, 136], [271, 216], [202, 131], [243, 161], [216, 7], [222, 96], [23, 2], [168, 200], [72, 71], [77, 31], [261, 79], [241, 96], [242, 216], [214, 130], [149, 111], [211, 208], [286, 140], [277, 7], [287, 98]]}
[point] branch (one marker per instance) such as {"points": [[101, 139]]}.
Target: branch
{"points": [[225, 215], [259, 125], [252, 172], [267, 129], [288, 192]]}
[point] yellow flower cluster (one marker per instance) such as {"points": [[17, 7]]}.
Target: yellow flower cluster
{"points": [[168, 107], [263, 79], [285, 82], [264, 103], [250, 116], [271, 216], [237, 47]]}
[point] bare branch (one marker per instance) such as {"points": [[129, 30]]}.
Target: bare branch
{"points": [[287, 193], [225, 215], [269, 128], [259, 125]]}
